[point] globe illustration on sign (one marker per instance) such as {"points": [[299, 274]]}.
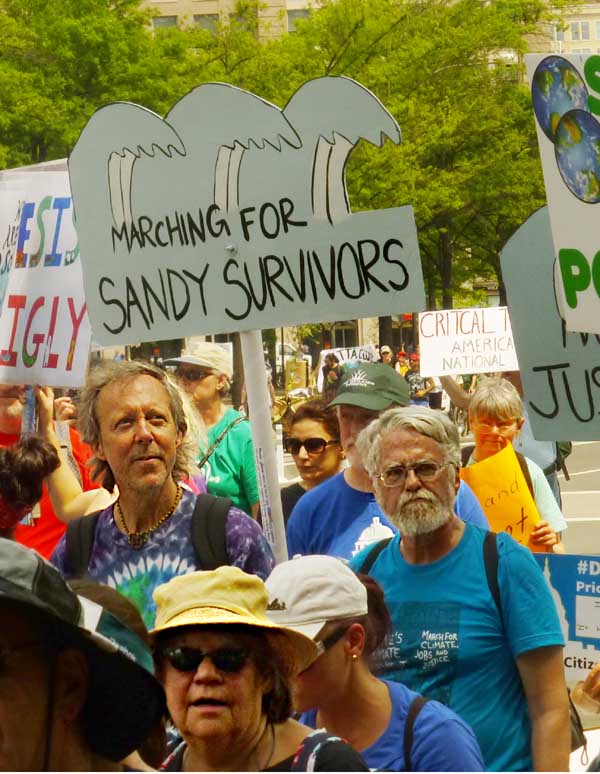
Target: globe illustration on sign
{"points": [[556, 88], [577, 150]]}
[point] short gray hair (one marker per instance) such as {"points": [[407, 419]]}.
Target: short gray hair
{"points": [[425, 421], [495, 397], [109, 371]]}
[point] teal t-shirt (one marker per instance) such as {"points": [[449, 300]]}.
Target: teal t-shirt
{"points": [[230, 470], [449, 644]]}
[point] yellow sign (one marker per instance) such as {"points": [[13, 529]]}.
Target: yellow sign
{"points": [[503, 493]]}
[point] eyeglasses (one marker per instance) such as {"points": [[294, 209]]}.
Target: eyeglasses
{"points": [[192, 374], [186, 659], [7, 652], [504, 428], [329, 642], [425, 470], [312, 445]]}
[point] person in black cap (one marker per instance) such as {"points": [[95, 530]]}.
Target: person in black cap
{"points": [[341, 516], [77, 691]]}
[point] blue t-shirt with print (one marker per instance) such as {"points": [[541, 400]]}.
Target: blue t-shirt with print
{"points": [[441, 740], [449, 643], [335, 519]]}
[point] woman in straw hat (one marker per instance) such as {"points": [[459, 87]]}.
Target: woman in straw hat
{"points": [[225, 668]]}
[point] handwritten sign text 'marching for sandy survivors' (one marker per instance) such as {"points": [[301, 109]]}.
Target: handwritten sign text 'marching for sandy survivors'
{"points": [[231, 214], [466, 341]]}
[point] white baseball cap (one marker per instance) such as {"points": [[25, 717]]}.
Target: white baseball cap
{"points": [[207, 354], [307, 592]]}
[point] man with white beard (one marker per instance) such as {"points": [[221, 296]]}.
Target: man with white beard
{"points": [[474, 623]]}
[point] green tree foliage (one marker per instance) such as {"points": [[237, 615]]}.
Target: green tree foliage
{"points": [[451, 73], [449, 70]]}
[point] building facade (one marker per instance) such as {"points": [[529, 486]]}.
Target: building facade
{"points": [[275, 17]]}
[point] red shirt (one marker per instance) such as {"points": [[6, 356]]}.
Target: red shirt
{"points": [[48, 530]]}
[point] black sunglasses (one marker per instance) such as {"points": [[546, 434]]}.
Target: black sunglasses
{"points": [[186, 659], [192, 374], [312, 445]]}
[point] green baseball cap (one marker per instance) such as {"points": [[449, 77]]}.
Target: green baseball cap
{"points": [[374, 386]]}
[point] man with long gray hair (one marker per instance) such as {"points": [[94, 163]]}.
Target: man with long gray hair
{"points": [[474, 623], [132, 416]]}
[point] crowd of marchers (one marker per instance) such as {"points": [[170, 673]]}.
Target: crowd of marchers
{"points": [[145, 626]]}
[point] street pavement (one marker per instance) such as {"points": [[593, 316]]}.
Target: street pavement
{"points": [[581, 499]]}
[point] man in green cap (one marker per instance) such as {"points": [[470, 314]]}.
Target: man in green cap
{"points": [[340, 517]]}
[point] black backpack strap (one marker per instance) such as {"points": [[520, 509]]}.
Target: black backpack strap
{"points": [[79, 541], [490, 559], [370, 558], [465, 453], [415, 707], [208, 530], [526, 474]]}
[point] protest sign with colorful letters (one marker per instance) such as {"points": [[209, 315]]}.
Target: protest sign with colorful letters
{"points": [[575, 584], [560, 371], [565, 92], [231, 215], [44, 327], [466, 341], [500, 487]]}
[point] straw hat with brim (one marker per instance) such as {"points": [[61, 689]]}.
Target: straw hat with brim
{"points": [[229, 596], [125, 700]]}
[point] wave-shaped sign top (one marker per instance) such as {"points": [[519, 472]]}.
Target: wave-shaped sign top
{"points": [[231, 214]]}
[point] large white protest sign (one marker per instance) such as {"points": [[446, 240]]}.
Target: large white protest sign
{"points": [[231, 214], [466, 341], [560, 370], [566, 99], [44, 327]]}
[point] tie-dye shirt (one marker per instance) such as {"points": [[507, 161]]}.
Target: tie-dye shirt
{"points": [[168, 552]]}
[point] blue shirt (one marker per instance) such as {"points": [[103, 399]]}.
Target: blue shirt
{"points": [[441, 740], [449, 643], [335, 519]]}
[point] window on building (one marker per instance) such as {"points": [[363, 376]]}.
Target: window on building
{"points": [[293, 16], [581, 51], [580, 30], [208, 21], [160, 22], [559, 33]]}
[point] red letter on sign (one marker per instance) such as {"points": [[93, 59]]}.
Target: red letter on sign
{"points": [[8, 357], [76, 323]]}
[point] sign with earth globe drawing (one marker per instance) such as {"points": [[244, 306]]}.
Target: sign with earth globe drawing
{"points": [[565, 92]]}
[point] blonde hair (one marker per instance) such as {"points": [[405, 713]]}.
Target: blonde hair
{"points": [[496, 398]]}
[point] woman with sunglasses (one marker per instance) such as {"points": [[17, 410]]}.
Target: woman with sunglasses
{"points": [[391, 726], [496, 418], [225, 669], [314, 443]]}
